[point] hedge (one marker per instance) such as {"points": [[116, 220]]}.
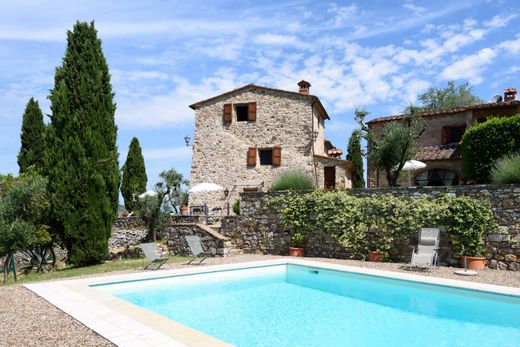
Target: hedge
{"points": [[483, 144]]}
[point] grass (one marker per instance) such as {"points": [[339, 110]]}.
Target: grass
{"points": [[109, 266], [292, 180]]}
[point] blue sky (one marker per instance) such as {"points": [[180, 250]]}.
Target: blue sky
{"points": [[165, 55]]}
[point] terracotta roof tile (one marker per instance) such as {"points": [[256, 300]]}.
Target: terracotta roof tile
{"points": [[443, 152], [448, 111]]}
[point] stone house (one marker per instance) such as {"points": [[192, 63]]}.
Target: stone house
{"points": [[244, 138], [440, 142]]}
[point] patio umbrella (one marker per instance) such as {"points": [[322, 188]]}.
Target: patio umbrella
{"points": [[206, 187], [412, 165], [147, 193]]}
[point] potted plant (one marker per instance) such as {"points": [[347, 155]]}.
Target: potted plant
{"points": [[468, 220], [298, 241], [379, 243], [184, 203]]}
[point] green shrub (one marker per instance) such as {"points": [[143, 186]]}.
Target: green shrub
{"points": [[507, 169], [236, 207], [467, 221], [483, 144], [292, 180], [378, 223]]}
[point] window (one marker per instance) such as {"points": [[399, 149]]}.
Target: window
{"points": [[452, 134], [437, 177], [242, 111], [266, 156]]}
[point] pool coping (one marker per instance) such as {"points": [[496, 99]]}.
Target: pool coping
{"points": [[125, 324]]}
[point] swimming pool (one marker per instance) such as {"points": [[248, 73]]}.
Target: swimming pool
{"points": [[296, 305]]}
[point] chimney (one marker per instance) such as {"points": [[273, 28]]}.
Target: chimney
{"points": [[509, 94], [305, 86]]}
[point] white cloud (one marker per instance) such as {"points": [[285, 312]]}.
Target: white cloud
{"points": [[511, 46], [279, 40], [469, 67]]}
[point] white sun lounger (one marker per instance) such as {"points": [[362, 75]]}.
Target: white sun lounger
{"points": [[426, 252]]}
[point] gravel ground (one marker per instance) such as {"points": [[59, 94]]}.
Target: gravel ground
{"points": [[28, 320]]}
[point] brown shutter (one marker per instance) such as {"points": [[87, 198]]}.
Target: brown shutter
{"points": [[251, 116], [445, 135], [227, 113], [277, 156], [251, 156]]}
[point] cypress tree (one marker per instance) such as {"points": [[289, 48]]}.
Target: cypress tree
{"points": [[354, 155], [134, 175], [81, 158], [32, 138]]}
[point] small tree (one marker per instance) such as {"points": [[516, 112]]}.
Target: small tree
{"points": [[134, 175], [24, 205], [398, 145], [354, 155], [32, 138], [168, 193]]}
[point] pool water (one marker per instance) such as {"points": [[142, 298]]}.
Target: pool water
{"points": [[293, 305]]}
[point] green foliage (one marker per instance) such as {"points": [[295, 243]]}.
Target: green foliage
{"points": [[32, 137], [81, 158], [292, 180], [398, 145], [483, 144], [150, 211], [378, 223], [134, 175], [173, 186], [24, 205], [467, 223], [354, 155], [507, 169], [236, 207], [438, 98], [298, 239]]}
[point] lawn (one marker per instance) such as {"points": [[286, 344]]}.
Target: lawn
{"points": [[109, 266]]}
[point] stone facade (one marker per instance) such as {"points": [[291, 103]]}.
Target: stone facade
{"points": [[433, 151], [283, 119], [259, 229]]}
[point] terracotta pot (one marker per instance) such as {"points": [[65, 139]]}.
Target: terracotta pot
{"points": [[375, 256], [184, 210], [474, 263], [296, 252]]}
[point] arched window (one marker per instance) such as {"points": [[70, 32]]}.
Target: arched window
{"points": [[437, 177]]}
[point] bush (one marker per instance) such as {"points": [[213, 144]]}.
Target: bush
{"points": [[467, 221], [483, 144], [293, 180], [378, 223], [507, 169], [236, 207]]}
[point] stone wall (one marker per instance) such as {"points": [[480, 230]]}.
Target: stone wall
{"points": [[258, 229]]}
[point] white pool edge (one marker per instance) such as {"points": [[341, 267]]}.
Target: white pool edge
{"points": [[125, 324]]}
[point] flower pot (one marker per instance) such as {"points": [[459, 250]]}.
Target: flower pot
{"points": [[184, 210], [474, 263], [375, 256], [296, 252]]}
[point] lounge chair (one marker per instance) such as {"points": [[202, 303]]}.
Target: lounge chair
{"points": [[196, 248], [426, 252], [151, 252]]}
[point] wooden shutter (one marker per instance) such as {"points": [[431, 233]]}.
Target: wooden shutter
{"points": [[251, 115], [227, 113], [251, 156], [277, 156], [445, 135]]}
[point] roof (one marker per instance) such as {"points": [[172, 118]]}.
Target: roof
{"points": [[340, 161], [448, 111], [442, 152], [315, 99]]}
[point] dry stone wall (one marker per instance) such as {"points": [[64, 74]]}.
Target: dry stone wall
{"points": [[259, 229]]}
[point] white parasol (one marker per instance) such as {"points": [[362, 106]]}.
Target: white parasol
{"points": [[206, 187], [412, 165]]}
